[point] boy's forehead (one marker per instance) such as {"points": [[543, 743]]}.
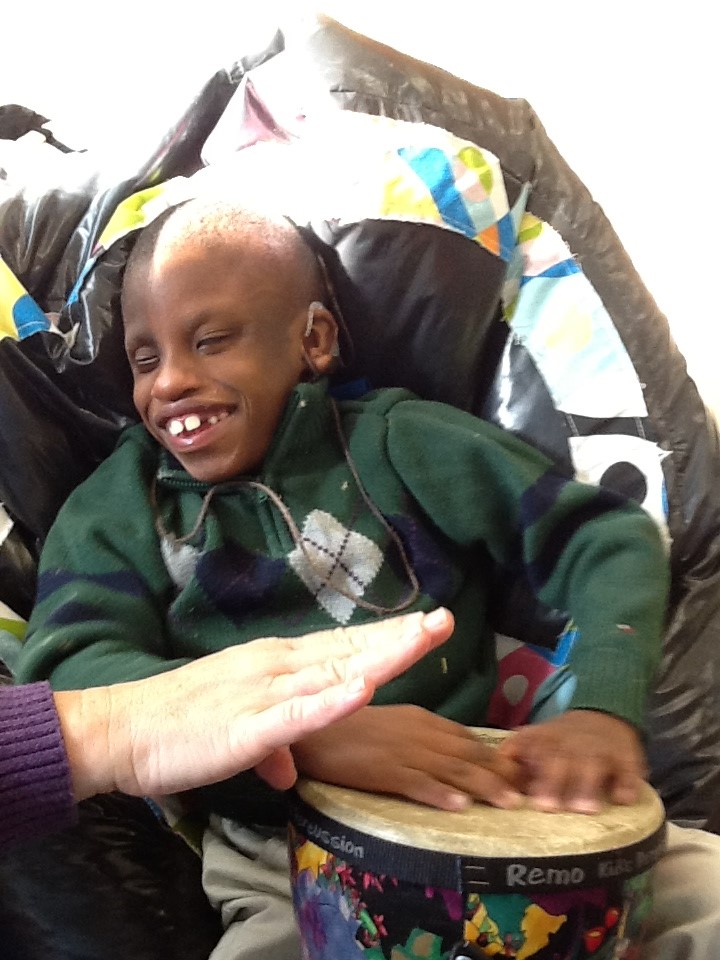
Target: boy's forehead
{"points": [[190, 275], [206, 255], [232, 245], [222, 260], [225, 222]]}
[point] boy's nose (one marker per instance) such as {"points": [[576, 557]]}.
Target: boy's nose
{"points": [[175, 378]]}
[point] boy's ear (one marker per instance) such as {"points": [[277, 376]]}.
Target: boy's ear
{"points": [[320, 340]]}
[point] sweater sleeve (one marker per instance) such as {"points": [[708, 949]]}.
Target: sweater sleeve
{"points": [[584, 549], [103, 589], [35, 786]]}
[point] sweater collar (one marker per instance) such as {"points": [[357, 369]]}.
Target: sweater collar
{"points": [[306, 420]]}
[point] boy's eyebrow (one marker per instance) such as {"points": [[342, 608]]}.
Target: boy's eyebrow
{"points": [[143, 336]]}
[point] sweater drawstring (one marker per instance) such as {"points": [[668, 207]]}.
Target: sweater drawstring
{"points": [[297, 538]]}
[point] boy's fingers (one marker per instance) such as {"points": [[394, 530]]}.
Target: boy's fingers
{"points": [[426, 788], [580, 784], [474, 769], [626, 789], [546, 786], [557, 782], [586, 789]]}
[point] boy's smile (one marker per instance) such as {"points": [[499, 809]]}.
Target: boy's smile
{"points": [[194, 429], [215, 333], [186, 429]]}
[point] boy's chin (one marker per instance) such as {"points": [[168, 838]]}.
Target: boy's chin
{"points": [[215, 469]]}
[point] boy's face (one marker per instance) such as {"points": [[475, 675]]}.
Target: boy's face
{"points": [[215, 342]]}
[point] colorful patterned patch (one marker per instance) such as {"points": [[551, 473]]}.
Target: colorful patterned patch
{"points": [[20, 316], [133, 213], [419, 173], [556, 313], [459, 186]]}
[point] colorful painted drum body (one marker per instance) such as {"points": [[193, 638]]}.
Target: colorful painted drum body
{"points": [[379, 878]]}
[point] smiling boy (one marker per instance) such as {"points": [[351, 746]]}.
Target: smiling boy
{"points": [[249, 503]]}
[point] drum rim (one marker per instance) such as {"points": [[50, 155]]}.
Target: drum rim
{"points": [[514, 873], [358, 811]]}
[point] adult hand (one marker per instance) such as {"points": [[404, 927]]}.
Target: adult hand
{"points": [[577, 760], [236, 709], [411, 752]]}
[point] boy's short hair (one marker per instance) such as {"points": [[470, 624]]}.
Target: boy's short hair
{"points": [[220, 220]]}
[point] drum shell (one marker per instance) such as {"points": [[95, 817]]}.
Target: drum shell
{"points": [[365, 893]]}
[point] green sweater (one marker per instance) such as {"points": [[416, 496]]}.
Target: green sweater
{"points": [[117, 602]]}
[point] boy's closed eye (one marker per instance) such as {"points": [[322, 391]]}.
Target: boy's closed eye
{"points": [[212, 342], [143, 361]]}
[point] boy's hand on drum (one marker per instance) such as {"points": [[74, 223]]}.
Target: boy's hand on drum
{"points": [[578, 760], [413, 753]]}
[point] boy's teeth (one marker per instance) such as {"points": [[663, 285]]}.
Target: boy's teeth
{"points": [[212, 420], [177, 426]]}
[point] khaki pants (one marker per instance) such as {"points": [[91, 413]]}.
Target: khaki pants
{"points": [[246, 877], [685, 919]]}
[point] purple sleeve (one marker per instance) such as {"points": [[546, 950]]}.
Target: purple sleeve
{"points": [[35, 787]]}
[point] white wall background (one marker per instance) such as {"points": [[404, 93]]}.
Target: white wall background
{"points": [[627, 90]]}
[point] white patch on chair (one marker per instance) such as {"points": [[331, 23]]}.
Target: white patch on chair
{"points": [[616, 459], [515, 688], [338, 558]]}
